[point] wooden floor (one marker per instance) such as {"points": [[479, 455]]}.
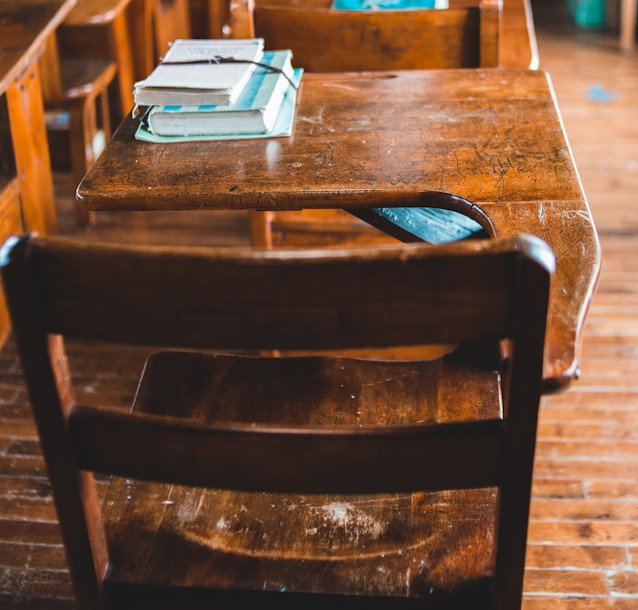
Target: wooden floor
{"points": [[583, 542]]}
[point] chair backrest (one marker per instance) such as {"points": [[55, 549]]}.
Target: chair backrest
{"points": [[244, 299], [322, 39]]}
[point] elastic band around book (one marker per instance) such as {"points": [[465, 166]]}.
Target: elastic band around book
{"points": [[218, 59]]}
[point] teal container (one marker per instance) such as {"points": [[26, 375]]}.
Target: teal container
{"points": [[588, 13]]}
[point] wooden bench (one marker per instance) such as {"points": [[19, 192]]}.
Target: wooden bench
{"points": [[26, 183]]}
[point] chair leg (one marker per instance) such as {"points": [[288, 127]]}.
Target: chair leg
{"points": [[261, 229], [82, 115], [105, 111], [120, 41], [84, 127]]}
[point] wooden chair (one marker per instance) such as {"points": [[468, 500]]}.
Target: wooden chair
{"points": [[517, 47], [291, 482], [326, 40], [78, 86]]}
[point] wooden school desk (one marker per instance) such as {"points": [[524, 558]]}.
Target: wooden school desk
{"points": [[493, 137], [26, 183], [24, 29]]}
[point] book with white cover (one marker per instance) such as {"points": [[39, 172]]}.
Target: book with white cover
{"points": [[255, 111], [199, 72]]}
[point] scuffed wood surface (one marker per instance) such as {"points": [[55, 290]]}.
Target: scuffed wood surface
{"points": [[402, 544], [492, 137], [347, 540], [481, 134]]}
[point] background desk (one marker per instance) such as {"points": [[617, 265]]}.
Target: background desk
{"points": [[26, 183], [493, 137]]}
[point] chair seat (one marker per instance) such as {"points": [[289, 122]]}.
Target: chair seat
{"points": [[420, 545], [413, 546], [82, 78]]}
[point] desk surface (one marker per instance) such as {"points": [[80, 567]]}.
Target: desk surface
{"points": [[24, 28], [493, 137]]}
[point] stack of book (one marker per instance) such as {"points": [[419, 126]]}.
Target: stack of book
{"points": [[375, 5], [218, 88]]}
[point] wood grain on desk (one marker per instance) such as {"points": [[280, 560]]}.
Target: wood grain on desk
{"points": [[493, 137]]}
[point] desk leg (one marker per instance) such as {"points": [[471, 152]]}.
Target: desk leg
{"points": [[31, 151]]}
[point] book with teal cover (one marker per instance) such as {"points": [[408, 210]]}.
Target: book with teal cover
{"points": [[283, 124], [432, 225], [373, 5], [255, 110]]}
